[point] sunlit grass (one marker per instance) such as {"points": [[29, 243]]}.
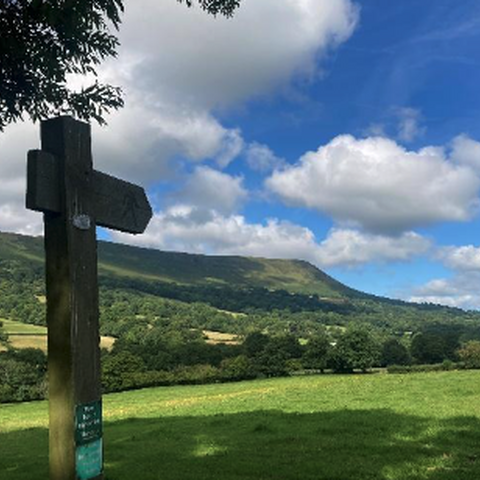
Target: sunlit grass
{"points": [[12, 327], [23, 335], [391, 427]]}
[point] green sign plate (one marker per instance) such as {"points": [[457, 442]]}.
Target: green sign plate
{"points": [[88, 422], [89, 460]]}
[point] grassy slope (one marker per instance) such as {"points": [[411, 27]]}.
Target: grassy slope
{"points": [[295, 276], [183, 268], [385, 427], [21, 247], [291, 275]]}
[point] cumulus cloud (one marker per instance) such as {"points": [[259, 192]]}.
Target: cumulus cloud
{"points": [[207, 188], [375, 130], [460, 291], [262, 159], [466, 151], [179, 65], [140, 142], [351, 247], [463, 258], [461, 288], [401, 123], [188, 228], [188, 56], [379, 185]]}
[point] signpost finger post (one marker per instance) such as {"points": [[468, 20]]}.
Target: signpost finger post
{"points": [[74, 198]]}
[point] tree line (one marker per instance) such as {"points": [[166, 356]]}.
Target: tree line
{"points": [[167, 356]]}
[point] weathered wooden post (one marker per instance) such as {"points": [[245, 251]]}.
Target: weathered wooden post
{"points": [[75, 198]]}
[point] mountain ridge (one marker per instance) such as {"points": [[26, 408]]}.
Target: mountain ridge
{"points": [[121, 264], [292, 275]]}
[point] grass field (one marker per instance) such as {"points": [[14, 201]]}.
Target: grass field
{"points": [[214, 338], [23, 335], [390, 427]]}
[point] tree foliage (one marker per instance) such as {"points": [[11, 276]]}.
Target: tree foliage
{"points": [[317, 352], [357, 348], [22, 375], [215, 7], [470, 354], [43, 42], [429, 348], [395, 353]]}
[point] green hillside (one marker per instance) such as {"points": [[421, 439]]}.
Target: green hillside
{"points": [[281, 294], [167, 315], [189, 269]]}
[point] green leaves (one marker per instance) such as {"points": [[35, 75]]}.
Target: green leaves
{"points": [[41, 43], [215, 7]]}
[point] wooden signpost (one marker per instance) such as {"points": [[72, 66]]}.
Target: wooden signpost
{"points": [[75, 199]]}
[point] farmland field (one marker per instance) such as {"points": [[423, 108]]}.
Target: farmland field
{"points": [[23, 335], [390, 427]]}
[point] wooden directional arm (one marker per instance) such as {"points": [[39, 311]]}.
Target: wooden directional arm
{"points": [[118, 204], [43, 183]]}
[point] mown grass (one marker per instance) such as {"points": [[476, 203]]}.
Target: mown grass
{"points": [[23, 335], [389, 427], [13, 327]]}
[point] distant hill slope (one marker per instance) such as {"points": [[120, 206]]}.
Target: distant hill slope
{"points": [[295, 276], [264, 289], [118, 260]]}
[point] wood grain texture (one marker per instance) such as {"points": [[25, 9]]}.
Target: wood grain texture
{"points": [[74, 199], [115, 203], [72, 291], [42, 182]]}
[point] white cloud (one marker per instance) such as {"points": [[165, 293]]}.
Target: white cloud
{"points": [[190, 57], [409, 127], [401, 123], [378, 185], [187, 228], [262, 159], [464, 258], [139, 142], [178, 65], [15, 141], [207, 188], [15, 218], [351, 247], [462, 288], [232, 145], [461, 291], [466, 151], [14, 144]]}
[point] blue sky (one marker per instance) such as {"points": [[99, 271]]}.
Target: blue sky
{"points": [[414, 55], [342, 132]]}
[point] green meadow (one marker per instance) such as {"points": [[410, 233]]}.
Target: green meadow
{"points": [[359, 427], [24, 335]]}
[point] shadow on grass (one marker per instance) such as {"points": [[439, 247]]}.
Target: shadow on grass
{"points": [[342, 445]]}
